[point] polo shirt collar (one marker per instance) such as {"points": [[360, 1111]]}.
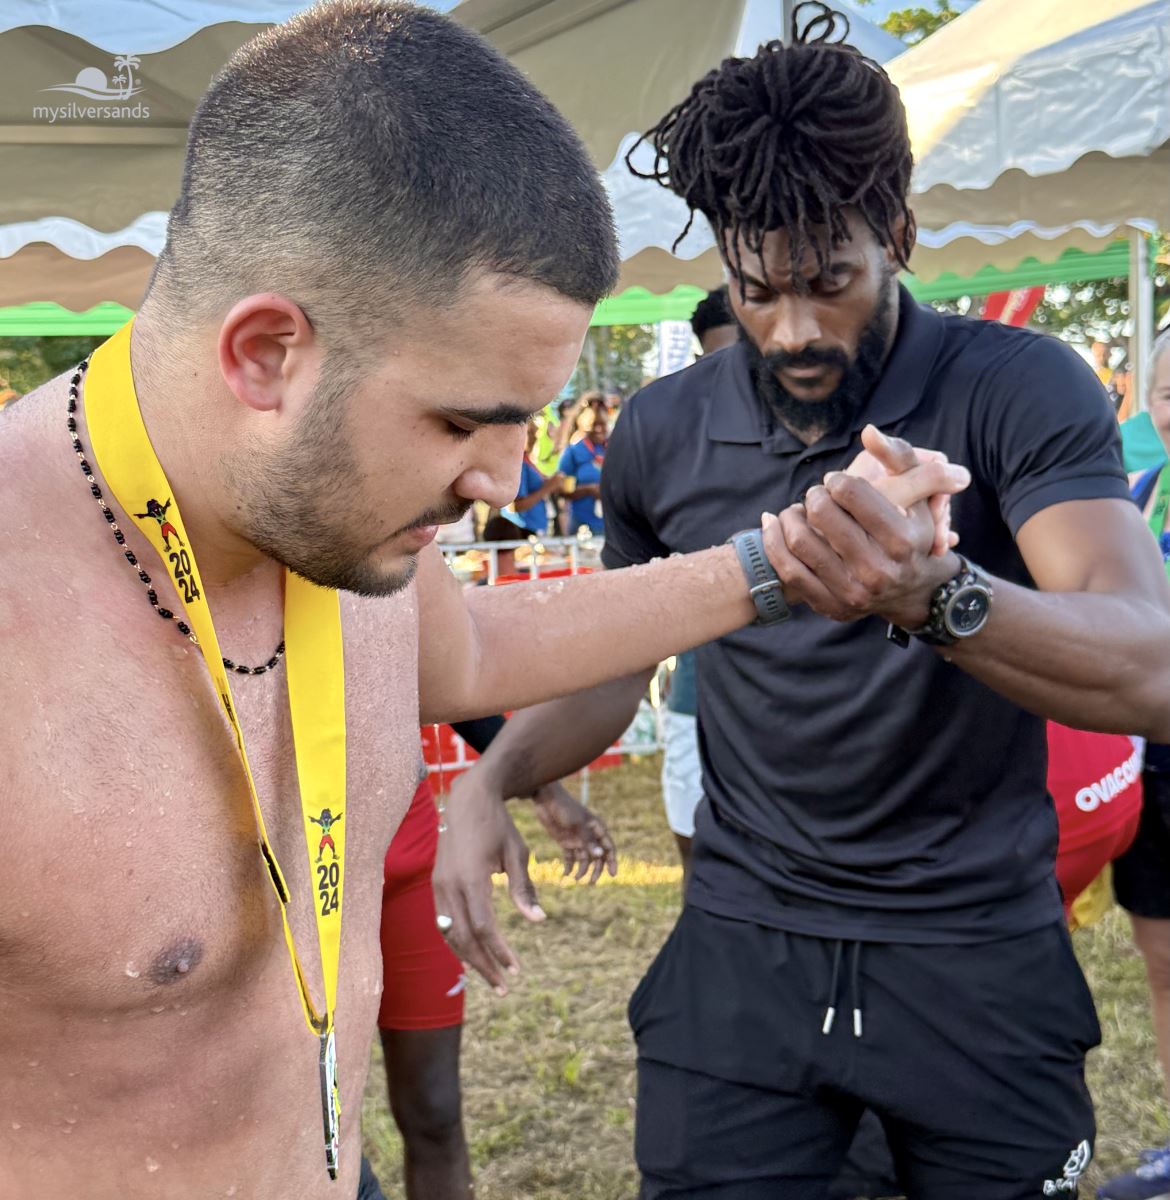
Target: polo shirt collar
{"points": [[737, 415]]}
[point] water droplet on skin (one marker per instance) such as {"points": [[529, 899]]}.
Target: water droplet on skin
{"points": [[129, 843], [161, 1008], [231, 1191], [15, 1124], [152, 1166], [70, 1120], [130, 971], [162, 812]]}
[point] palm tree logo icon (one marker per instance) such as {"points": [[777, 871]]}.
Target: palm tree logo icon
{"points": [[92, 82], [126, 63]]}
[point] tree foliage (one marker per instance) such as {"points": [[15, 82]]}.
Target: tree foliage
{"points": [[916, 22], [613, 358], [27, 362]]}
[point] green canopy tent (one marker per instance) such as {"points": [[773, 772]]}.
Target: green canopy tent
{"points": [[637, 306]]}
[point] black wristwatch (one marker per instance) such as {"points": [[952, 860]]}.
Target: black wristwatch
{"points": [[959, 609], [764, 585]]}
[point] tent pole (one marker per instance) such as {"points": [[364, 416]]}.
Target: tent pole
{"points": [[1141, 312]]}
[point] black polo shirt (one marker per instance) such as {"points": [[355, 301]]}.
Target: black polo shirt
{"points": [[853, 788]]}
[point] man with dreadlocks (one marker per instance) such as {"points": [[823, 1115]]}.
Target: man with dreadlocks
{"points": [[872, 919]]}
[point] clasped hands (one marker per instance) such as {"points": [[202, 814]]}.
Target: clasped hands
{"points": [[873, 539]]}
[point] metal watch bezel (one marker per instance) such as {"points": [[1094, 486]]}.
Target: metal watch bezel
{"points": [[963, 590]]}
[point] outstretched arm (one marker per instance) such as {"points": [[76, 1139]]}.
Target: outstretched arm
{"points": [[495, 649]]}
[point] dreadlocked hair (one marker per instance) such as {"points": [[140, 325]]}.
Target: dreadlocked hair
{"points": [[788, 140]]}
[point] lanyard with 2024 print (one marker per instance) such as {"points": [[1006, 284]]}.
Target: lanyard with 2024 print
{"points": [[316, 684]]}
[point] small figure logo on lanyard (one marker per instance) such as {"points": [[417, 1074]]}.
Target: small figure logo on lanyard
{"points": [[179, 559], [158, 512], [326, 820]]}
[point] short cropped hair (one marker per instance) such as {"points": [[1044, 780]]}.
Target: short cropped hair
{"points": [[712, 312], [366, 156]]}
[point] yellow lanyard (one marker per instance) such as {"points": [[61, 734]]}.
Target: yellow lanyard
{"points": [[316, 684]]}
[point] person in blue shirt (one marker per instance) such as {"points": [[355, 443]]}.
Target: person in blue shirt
{"points": [[531, 506], [581, 466]]}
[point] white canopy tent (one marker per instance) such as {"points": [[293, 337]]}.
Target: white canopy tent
{"points": [[1037, 125], [1066, 104], [615, 68], [1051, 116], [88, 216], [83, 209]]}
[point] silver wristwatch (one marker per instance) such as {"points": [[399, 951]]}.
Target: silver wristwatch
{"points": [[959, 609], [764, 585]]}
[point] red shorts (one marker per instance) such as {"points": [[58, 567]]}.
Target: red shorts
{"points": [[422, 980], [1095, 781]]}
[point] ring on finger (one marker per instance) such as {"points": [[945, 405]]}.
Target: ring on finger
{"points": [[444, 923]]}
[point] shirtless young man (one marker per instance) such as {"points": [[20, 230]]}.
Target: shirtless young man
{"points": [[152, 1043]]}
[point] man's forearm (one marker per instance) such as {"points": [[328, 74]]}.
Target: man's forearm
{"points": [[549, 741], [1090, 660], [532, 643]]}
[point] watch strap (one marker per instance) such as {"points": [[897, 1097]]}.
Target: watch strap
{"points": [[764, 584]]}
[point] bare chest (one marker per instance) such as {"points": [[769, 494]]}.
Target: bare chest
{"points": [[135, 875]]}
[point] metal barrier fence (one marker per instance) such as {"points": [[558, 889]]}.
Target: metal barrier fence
{"points": [[570, 555], [446, 754]]}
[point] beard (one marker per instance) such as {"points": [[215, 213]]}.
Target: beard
{"points": [[301, 505], [859, 376]]}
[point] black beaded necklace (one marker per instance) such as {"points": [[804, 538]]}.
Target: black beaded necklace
{"points": [[130, 556]]}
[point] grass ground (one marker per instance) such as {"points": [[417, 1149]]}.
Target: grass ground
{"points": [[548, 1073]]}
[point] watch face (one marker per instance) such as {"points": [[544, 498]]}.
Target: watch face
{"points": [[967, 611]]}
